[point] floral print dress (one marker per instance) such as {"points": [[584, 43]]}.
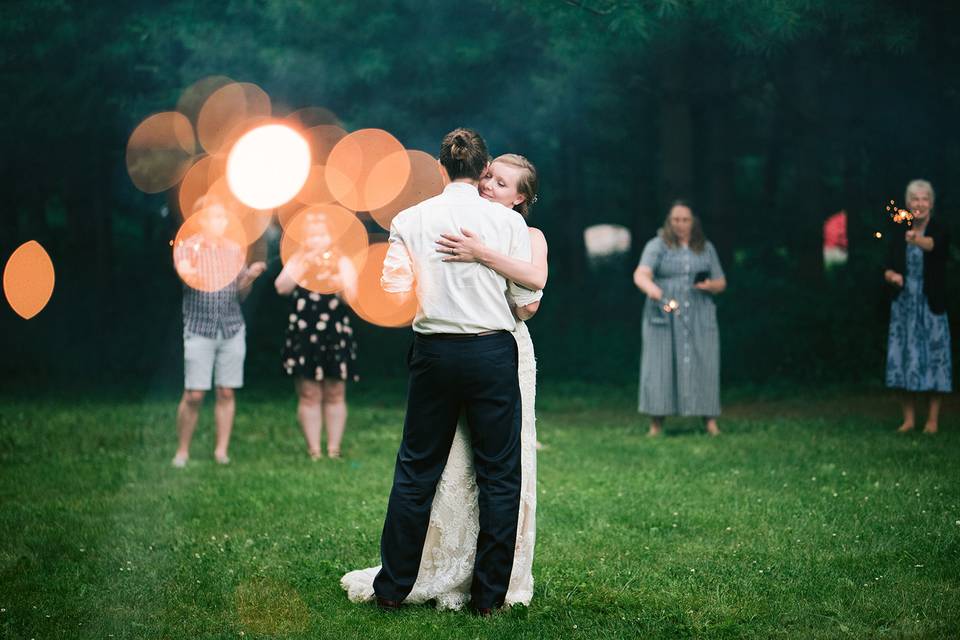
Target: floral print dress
{"points": [[918, 346], [319, 342]]}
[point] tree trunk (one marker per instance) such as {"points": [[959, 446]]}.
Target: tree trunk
{"points": [[676, 128]]}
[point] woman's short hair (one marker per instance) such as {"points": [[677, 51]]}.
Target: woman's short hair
{"points": [[463, 153], [919, 185]]}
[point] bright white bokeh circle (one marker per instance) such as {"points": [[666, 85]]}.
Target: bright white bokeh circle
{"points": [[268, 166]]}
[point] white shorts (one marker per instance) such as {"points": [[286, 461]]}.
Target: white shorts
{"points": [[205, 357]]}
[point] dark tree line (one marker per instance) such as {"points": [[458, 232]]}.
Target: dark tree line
{"points": [[769, 115]]}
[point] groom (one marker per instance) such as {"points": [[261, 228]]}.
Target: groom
{"points": [[463, 360]]}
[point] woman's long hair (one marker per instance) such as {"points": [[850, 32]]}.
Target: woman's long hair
{"points": [[697, 240]]}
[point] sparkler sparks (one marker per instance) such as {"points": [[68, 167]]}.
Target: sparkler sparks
{"points": [[670, 306], [900, 215]]}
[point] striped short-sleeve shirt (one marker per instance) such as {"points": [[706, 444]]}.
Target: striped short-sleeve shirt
{"points": [[207, 312]]}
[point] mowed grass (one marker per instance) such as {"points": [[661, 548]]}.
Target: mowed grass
{"points": [[808, 518]]}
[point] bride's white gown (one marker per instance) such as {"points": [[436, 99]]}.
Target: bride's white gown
{"points": [[446, 567]]}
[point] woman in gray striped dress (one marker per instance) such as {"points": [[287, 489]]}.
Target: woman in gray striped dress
{"points": [[680, 273]]}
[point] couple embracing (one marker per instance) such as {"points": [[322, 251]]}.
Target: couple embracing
{"points": [[460, 523]]}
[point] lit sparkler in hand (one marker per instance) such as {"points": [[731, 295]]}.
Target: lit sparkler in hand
{"points": [[899, 215], [670, 306]]}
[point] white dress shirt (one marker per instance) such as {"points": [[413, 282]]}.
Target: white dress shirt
{"points": [[457, 297]]}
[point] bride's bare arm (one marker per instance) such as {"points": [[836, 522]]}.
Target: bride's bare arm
{"points": [[469, 248]]}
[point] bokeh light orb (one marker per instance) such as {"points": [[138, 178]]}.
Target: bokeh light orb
{"points": [[426, 181], [268, 166], [374, 305], [28, 279], [228, 112], [330, 245], [367, 169], [160, 151], [210, 249]]}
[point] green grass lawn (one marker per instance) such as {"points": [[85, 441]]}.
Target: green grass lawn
{"points": [[809, 518]]}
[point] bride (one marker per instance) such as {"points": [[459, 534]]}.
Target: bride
{"points": [[446, 566]]}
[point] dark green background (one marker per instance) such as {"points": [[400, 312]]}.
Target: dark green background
{"points": [[770, 115]]}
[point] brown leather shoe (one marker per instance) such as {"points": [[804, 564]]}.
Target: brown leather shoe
{"points": [[387, 605]]}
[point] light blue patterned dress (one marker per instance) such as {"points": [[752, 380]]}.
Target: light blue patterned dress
{"points": [[918, 346], [680, 363]]}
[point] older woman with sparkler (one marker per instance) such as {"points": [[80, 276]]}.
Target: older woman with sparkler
{"points": [[918, 346], [680, 273]]}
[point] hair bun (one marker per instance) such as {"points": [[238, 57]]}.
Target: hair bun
{"points": [[463, 153]]}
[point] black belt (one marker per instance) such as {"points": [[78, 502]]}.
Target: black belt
{"points": [[454, 336]]}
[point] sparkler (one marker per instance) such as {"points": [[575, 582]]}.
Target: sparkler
{"points": [[670, 306], [899, 215]]}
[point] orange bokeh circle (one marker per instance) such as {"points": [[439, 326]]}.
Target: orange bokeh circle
{"points": [[210, 249], [227, 109], [204, 173], [372, 303], [322, 139], [28, 279], [329, 246], [426, 180], [160, 151], [193, 97], [367, 169], [254, 221]]}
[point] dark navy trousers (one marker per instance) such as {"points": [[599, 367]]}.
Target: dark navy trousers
{"points": [[476, 376]]}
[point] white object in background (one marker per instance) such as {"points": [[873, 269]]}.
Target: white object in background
{"points": [[604, 240]]}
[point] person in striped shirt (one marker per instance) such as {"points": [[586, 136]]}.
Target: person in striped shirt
{"points": [[212, 267]]}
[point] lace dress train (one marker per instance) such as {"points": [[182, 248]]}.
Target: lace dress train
{"points": [[446, 566]]}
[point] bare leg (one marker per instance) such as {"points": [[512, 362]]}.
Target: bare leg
{"points": [[933, 416], [712, 427], [334, 414], [909, 415], [656, 426], [187, 413], [223, 412], [309, 413]]}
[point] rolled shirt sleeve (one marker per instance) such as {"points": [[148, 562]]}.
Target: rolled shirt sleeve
{"points": [[521, 296], [397, 275]]}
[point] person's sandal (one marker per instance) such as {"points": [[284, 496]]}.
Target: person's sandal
{"points": [[333, 454], [222, 459]]}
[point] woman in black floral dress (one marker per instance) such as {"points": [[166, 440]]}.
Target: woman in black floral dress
{"points": [[319, 350]]}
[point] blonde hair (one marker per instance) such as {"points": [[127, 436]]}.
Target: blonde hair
{"points": [[919, 185], [527, 184]]}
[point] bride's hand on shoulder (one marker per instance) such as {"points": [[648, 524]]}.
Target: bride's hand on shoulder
{"points": [[462, 248]]}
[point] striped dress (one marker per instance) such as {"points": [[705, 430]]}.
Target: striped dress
{"points": [[680, 363]]}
